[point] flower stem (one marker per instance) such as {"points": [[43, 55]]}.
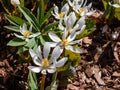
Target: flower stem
{"points": [[43, 82]]}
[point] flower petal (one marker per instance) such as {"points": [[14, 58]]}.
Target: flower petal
{"points": [[34, 69], [53, 44], [61, 62], [44, 71], [61, 27], [24, 27], [72, 36], [73, 49], [65, 34], [70, 20], [35, 58], [90, 13], [39, 53], [56, 9], [46, 50], [56, 53], [70, 3], [84, 3], [114, 5], [65, 8], [82, 29], [51, 69], [54, 37], [74, 42], [89, 6], [81, 22], [19, 36], [34, 35]]}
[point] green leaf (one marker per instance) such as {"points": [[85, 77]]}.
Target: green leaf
{"points": [[73, 57], [49, 26], [117, 13], [108, 14], [40, 11], [22, 49], [22, 3], [31, 43], [42, 41], [30, 17], [16, 42], [13, 28], [105, 3], [32, 81], [90, 27], [46, 17], [15, 20]]}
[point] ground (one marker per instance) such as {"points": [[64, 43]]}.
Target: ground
{"points": [[99, 67]]}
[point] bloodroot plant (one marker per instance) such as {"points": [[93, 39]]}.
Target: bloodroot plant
{"points": [[52, 47]]}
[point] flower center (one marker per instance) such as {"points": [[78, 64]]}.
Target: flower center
{"points": [[26, 33], [61, 14], [45, 63], [81, 10], [65, 42]]}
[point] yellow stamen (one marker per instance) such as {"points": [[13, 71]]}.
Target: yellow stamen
{"points": [[81, 10], [26, 33], [45, 63], [61, 14], [65, 42]]}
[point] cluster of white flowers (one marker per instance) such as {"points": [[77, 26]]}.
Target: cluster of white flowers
{"points": [[71, 23], [71, 19]]}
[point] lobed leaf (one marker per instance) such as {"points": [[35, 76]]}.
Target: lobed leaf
{"points": [[73, 57], [31, 43]]}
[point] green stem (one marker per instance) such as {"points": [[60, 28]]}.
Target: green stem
{"points": [[43, 82], [15, 10], [54, 76]]}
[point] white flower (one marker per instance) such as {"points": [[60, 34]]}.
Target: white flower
{"points": [[15, 2], [116, 3], [80, 7], [60, 14], [45, 64], [71, 23], [26, 34], [66, 42]]}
